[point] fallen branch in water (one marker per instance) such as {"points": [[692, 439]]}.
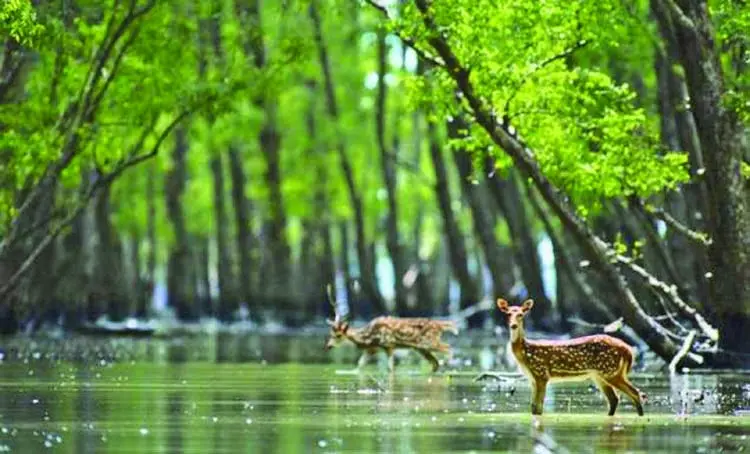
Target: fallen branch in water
{"points": [[671, 292], [682, 352], [497, 376]]}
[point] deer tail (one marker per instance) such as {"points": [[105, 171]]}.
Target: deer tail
{"points": [[449, 326], [627, 361]]}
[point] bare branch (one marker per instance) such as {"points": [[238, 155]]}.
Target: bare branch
{"points": [[684, 349], [698, 237], [671, 292]]}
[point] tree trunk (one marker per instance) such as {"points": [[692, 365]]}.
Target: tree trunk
{"points": [[244, 239], [109, 278], [649, 329], [483, 222], [227, 296], [508, 199], [367, 273], [690, 206], [179, 269], [456, 246], [325, 256], [278, 277], [137, 283], [388, 168], [150, 283], [202, 266], [276, 285], [721, 135]]}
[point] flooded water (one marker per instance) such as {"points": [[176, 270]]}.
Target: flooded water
{"points": [[230, 394]]}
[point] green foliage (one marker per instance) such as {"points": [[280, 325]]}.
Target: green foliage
{"points": [[587, 131], [18, 20]]}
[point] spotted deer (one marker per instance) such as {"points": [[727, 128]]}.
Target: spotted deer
{"points": [[389, 334], [604, 359]]}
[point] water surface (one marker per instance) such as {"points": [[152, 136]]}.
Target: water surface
{"points": [[278, 394]]}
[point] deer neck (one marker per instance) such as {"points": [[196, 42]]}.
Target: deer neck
{"points": [[356, 336], [518, 341]]}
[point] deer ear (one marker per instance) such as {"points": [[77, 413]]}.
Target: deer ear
{"points": [[330, 322], [502, 305], [527, 305], [345, 327]]}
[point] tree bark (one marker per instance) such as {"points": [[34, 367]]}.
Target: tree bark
{"points": [[150, 283], [721, 135], [456, 246], [109, 278], [649, 329], [321, 205], [246, 249], [508, 199], [367, 273], [483, 222], [387, 157], [228, 303], [179, 269], [276, 287]]}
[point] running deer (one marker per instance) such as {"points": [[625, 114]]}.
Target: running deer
{"points": [[389, 334], [604, 359]]}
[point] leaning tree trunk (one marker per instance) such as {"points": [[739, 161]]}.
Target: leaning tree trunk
{"points": [[456, 246], [367, 273], [649, 329], [722, 138]]}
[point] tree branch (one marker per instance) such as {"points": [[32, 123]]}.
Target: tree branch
{"points": [[102, 181], [677, 13], [431, 59], [564, 54], [653, 333], [684, 350], [698, 237], [671, 292]]}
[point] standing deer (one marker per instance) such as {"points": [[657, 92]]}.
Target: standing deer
{"points": [[389, 334], [604, 359]]}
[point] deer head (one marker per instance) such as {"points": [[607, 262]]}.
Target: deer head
{"points": [[515, 316], [339, 326]]}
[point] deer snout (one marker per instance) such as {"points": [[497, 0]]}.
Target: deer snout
{"points": [[514, 326]]}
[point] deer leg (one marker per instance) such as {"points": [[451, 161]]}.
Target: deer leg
{"points": [[624, 385], [363, 359], [537, 395], [431, 358], [391, 359], [609, 393]]}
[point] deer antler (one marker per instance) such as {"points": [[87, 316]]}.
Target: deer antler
{"points": [[332, 301]]}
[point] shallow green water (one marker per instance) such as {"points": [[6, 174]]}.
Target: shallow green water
{"points": [[187, 396]]}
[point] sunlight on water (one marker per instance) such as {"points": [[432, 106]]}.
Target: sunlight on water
{"points": [[153, 400]]}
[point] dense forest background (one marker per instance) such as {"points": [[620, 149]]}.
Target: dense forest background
{"points": [[229, 158]]}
